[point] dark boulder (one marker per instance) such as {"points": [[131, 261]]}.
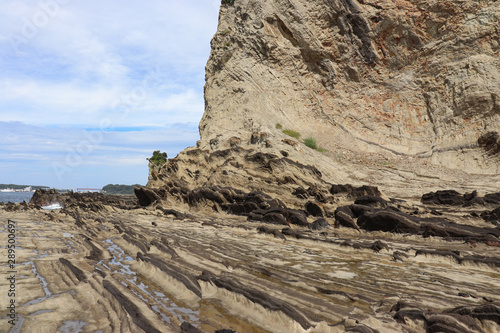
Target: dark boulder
{"points": [[314, 209], [359, 210], [489, 312], [390, 221], [319, 224], [44, 198], [317, 193], [242, 208], [146, 195], [355, 192], [452, 198], [297, 217], [493, 216], [492, 198], [371, 200], [300, 193], [274, 218], [377, 246], [345, 217], [445, 197]]}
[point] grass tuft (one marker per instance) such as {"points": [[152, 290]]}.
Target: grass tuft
{"points": [[292, 133], [311, 142]]}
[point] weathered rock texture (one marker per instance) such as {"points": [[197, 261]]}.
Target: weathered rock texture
{"points": [[418, 78], [137, 269], [404, 97], [394, 229]]}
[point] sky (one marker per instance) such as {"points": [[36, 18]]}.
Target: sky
{"points": [[89, 89]]}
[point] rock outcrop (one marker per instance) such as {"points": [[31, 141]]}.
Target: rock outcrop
{"points": [[402, 98], [414, 78], [89, 201]]}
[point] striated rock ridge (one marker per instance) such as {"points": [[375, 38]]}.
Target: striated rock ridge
{"points": [[414, 78]]}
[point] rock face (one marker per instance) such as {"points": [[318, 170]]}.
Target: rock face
{"points": [[404, 98], [402, 95], [415, 78]]}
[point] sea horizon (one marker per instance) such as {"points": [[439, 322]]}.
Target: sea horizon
{"points": [[15, 197]]}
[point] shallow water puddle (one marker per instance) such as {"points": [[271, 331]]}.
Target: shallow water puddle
{"points": [[164, 304], [44, 284], [40, 312], [72, 326], [19, 324]]}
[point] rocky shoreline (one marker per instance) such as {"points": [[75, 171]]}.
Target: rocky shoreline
{"points": [[388, 223], [218, 259]]}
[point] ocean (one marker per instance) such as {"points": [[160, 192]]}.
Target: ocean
{"points": [[15, 196]]}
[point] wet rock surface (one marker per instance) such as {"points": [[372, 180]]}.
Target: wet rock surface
{"points": [[395, 268]]}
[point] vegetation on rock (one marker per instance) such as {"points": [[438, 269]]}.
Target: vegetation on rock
{"points": [[311, 142], [292, 133], [158, 158], [119, 189]]}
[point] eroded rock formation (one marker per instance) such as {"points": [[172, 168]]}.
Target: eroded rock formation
{"points": [[404, 98], [417, 78], [393, 227]]}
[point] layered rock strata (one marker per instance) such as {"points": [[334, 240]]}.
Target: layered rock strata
{"points": [[187, 268], [394, 227], [403, 99], [414, 78]]}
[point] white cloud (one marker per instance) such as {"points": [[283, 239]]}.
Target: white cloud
{"points": [[73, 68], [139, 65]]}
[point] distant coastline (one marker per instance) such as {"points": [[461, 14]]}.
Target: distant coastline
{"points": [[9, 188], [8, 191]]}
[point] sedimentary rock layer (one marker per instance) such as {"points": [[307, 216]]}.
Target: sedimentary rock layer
{"points": [[143, 270], [414, 78]]}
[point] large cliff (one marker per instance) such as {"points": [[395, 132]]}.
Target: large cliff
{"points": [[400, 94], [415, 78]]}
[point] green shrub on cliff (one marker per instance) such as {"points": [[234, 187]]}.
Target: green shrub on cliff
{"points": [[311, 142], [229, 2], [158, 158]]}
